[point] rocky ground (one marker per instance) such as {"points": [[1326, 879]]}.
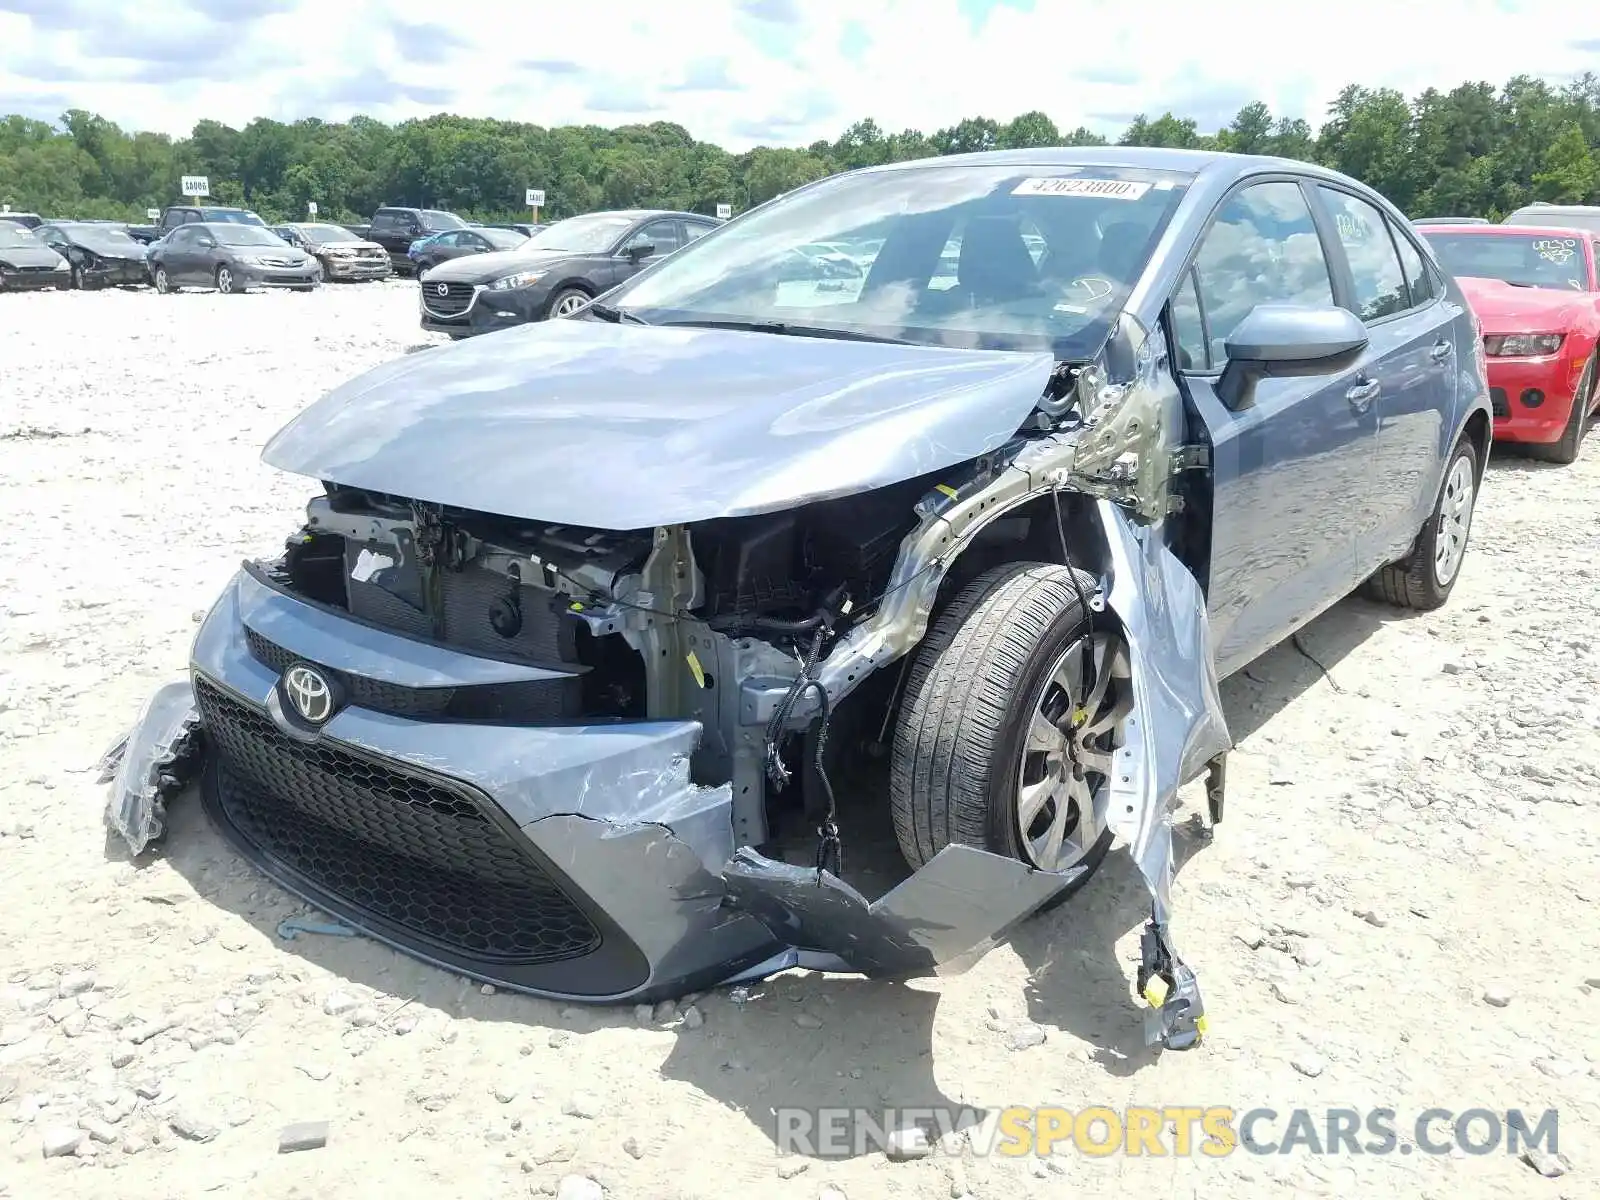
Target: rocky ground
{"points": [[1401, 910]]}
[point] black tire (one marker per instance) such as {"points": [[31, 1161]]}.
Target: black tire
{"points": [[966, 710], [225, 282], [1414, 582], [162, 282], [76, 281], [1565, 450], [566, 297]]}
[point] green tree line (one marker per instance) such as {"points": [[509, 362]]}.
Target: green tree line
{"points": [[1476, 150]]}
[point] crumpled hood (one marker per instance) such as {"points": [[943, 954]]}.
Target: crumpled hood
{"points": [[1503, 308], [481, 268], [32, 256], [629, 427], [352, 244]]}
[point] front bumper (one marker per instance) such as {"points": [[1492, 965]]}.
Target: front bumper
{"points": [[576, 862], [357, 268], [1532, 397], [116, 273], [486, 309], [275, 277], [12, 280]]}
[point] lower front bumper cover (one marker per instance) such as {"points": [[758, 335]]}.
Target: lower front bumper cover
{"points": [[604, 823], [489, 310], [33, 281]]}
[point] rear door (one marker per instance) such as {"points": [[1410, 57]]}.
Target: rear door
{"points": [[1409, 365], [1283, 538]]}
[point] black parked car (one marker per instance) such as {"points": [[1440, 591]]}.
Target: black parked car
{"points": [[99, 255], [554, 273], [231, 258], [461, 242], [396, 228], [27, 264], [341, 253]]}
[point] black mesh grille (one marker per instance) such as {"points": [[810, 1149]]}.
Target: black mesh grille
{"points": [[454, 300], [539, 700], [1497, 401], [421, 853]]}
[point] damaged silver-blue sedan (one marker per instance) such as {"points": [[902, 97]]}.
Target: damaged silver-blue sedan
{"points": [[590, 615]]}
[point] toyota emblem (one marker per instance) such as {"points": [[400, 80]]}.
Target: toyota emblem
{"points": [[443, 289], [308, 693]]}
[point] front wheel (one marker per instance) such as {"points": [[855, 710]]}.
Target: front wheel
{"points": [[1425, 577], [226, 283], [163, 282], [1014, 706], [568, 301]]}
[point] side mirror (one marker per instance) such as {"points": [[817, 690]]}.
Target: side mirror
{"points": [[640, 251], [1286, 341]]}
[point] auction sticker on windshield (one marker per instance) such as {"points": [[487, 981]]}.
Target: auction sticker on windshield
{"points": [[1113, 189]]}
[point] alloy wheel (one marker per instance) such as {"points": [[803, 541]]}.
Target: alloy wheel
{"points": [[1455, 520], [1074, 728]]}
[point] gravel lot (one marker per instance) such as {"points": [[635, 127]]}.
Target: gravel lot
{"points": [[1399, 911]]}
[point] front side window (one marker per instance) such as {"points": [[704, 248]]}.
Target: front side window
{"points": [[981, 256], [662, 235], [1262, 248], [1380, 285], [1535, 260], [434, 219]]}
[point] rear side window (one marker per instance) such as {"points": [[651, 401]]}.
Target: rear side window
{"points": [[1262, 248], [1419, 280], [1380, 284]]}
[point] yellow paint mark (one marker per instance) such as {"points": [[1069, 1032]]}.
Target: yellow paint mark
{"points": [[946, 489], [696, 669]]}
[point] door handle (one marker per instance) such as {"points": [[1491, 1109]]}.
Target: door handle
{"points": [[1441, 351], [1363, 394]]}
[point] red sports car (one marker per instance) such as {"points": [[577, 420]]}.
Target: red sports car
{"points": [[1536, 291]]}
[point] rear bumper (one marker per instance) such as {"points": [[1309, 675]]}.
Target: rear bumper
{"points": [[577, 862], [1532, 397]]}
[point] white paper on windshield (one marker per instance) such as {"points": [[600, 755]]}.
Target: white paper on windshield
{"points": [[1079, 185]]}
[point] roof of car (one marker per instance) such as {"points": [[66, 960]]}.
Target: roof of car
{"points": [[1155, 158], [1551, 230], [1586, 209]]}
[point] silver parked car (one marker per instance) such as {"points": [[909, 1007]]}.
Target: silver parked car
{"points": [[231, 258], [588, 617]]}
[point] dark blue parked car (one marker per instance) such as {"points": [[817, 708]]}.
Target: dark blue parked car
{"points": [[591, 614]]}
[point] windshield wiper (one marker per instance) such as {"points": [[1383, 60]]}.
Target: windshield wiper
{"points": [[617, 316], [788, 330]]}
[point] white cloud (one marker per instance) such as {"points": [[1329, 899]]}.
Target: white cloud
{"points": [[918, 64]]}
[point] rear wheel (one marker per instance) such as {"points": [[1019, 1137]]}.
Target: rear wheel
{"points": [[1014, 707], [1425, 577], [1565, 450], [568, 301]]}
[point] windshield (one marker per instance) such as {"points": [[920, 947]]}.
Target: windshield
{"points": [[1538, 260], [317, 234], [248, 235], [503, 239], [593, 234], [230, 216], [1587, 220], [16, 235], [433, 219], [107, 237], [980, 256]]}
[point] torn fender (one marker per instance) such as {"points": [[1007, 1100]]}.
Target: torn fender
{"points": [[959, 904], [151, 763], [1176, 726]]}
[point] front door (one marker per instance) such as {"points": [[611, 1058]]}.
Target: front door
{"points": [[1283, 532], [1410, 363], [662, 237]]}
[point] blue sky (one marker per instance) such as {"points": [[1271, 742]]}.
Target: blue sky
{"points": [[747, 72]]}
